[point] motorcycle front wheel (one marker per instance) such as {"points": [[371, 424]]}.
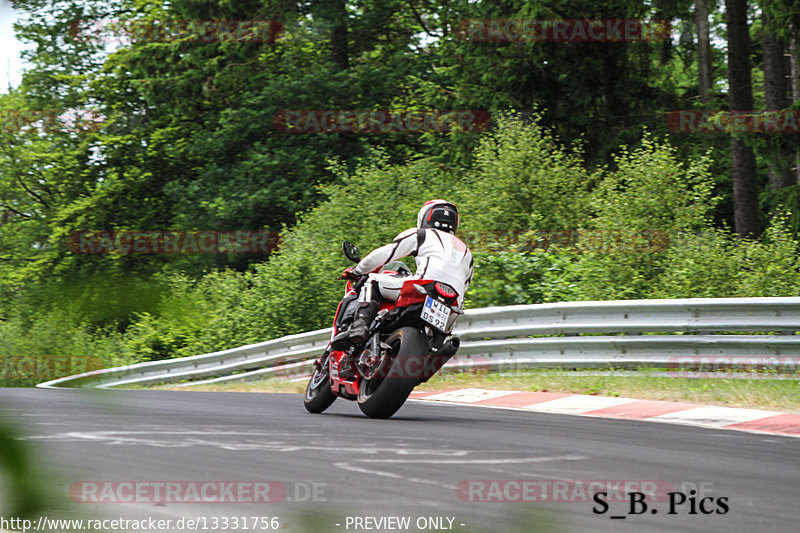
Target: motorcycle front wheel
{"points": [[318, 395], [384, 394]]}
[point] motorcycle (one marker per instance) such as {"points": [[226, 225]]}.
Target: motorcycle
{"points": [[407, 343]]}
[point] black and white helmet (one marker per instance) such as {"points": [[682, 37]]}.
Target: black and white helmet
{"points": [[438, 214]]}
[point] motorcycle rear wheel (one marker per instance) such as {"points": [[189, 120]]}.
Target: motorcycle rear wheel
{"points": [[382, 396], [319, 396]]}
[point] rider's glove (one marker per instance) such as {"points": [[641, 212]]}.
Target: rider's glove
{"points": [[349, 274]]}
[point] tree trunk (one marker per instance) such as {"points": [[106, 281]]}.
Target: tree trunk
{"points": [[794, 68], [339, 35], [615, 74], [703, 49], [334, 17], [779, 150], [664, 10], [745, 181], [794, 50]]}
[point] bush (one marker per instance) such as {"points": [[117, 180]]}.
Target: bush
{"points": [[509, 278], [650, 194], [52, 345], [716, 264], [296, 290], [651, 189], [524, 179]]}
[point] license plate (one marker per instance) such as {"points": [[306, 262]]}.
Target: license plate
{"points": [[435, 313]]}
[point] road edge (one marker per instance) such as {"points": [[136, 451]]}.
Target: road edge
{"points": [[709, 416]]}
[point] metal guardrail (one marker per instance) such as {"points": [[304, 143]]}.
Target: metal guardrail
{"points": [[504, 337]]}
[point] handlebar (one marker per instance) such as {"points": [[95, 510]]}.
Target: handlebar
{"points": [[360, 283], [359, 280]]}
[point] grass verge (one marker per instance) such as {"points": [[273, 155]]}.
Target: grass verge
{"points": [[765, 393]]}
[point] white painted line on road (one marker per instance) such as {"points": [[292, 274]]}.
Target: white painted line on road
{"points": [[350, 467], [510, 460]]}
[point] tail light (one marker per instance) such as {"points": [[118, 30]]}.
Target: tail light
{"points": [[445, 290]]}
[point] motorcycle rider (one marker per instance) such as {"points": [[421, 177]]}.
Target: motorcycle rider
{"points": [[439, 254]]}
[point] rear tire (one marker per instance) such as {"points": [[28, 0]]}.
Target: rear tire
{"points": [[382, 396], [318, 395]]}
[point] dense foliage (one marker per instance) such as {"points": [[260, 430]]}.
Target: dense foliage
{"points": [[578, 189]]}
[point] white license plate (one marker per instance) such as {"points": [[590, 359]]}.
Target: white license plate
{"points": [[435, 313]]}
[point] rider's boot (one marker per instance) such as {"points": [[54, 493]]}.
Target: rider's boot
{"points": [[366, 313], [364, 316]]}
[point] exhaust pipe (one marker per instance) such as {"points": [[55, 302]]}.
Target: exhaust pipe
{"points": [[449, 347], [437, 359]]}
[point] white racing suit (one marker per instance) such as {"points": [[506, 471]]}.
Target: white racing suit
{"points": [[440, 256]]}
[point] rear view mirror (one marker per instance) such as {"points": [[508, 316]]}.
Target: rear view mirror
{"points": [[350, 251]]}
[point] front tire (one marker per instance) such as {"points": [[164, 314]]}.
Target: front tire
{"points": [[318, 395], [383, 395]]}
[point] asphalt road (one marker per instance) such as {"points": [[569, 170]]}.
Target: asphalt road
{"points": [[430, 464]]}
